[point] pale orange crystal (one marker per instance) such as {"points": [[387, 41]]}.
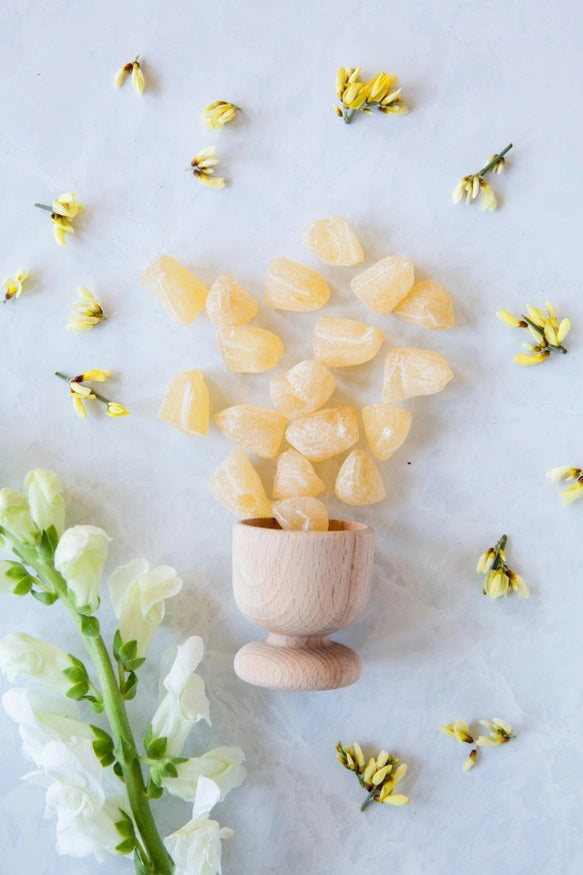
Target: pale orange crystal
{"points": [[182, 294], [255, 428], [359, 481], [301, 514], [340, 343], [237, 486], [292, 286], [334, 241], [410, 372], [249, 350], [428, 304], [295, 477], [302, 389], [325, 433], [186, 403], [386, 426], [229, 304], [383, 285]]}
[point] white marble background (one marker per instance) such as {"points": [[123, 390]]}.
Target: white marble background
{"points": [[477, 74]]}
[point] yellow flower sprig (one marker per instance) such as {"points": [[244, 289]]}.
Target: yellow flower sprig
{"points": [[203, 167], [80, 392], [62, 210], [378, 775], [571, 475], [500, 579], [470, 186], [500, 733], [218, 114], [12, 285], [381, 93], [87, 312], [545, 328], [134, 68]]}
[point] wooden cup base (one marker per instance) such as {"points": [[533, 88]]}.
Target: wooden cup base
{"points": [[287, 662]]}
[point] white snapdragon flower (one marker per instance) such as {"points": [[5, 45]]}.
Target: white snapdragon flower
{"points": [[15, 516], [185, 701], [44, 491], [86, 816], [223, 765], [196, 847], [23, 655], [80, 557], [138, 594]]}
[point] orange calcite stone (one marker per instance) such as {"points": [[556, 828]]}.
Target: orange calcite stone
{"points": [[302, 389], [359, 481], [182, 294], [428, 304], [186, 403], [325, 433], [334, 241], [255, 428], [301, 514], [249, 350], [292, 286], [229, 304], [386, 427], [410, 372], [237, 486], [383, 285], [295, 477], [340, 343]]}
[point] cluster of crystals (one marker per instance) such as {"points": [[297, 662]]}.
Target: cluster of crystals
{"points": [[573, 476], [315, 432], [500, 733], [378, 775], [470, 186], [545, 328], [499, 579], [382, 93]]}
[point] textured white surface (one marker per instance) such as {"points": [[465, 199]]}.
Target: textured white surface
{"points": [[477, 74]]}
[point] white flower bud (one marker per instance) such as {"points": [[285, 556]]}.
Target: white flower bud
{"points": [[79, 557], [45, 497]]}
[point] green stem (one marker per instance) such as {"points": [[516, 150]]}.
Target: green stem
{"points": [[44, 207], [540, 331], [369, 798], [95, 394], [500, 545], [494, 160], [114, 707], [348, 115]]}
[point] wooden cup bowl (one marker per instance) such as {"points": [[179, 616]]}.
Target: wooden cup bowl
{"points": [[300, 587]]}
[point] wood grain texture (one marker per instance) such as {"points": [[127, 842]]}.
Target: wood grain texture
{"points": [[300, 587]]}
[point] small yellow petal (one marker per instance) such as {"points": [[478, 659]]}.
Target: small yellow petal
{"points": [[97, 375], [396, 799], [508, 318], [114, 409]]}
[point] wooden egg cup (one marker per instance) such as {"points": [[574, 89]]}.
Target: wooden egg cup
{"points": [[300, 587]]}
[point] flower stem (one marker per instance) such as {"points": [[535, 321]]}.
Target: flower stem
{"points": [[95, 394], [494, 160], [369, 798], [44, 207], [114, 707]]}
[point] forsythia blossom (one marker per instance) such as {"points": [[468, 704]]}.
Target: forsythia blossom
{"points": [[500, 733], [354, 95], [12, 285], [80, 557], [218, 114], [545, 329], [138, 594], [203, 167], [378, 775], [499, 578], [470, 186], [185, 701], [134, 69], [88, 312], [567, 474], [80, 393]]}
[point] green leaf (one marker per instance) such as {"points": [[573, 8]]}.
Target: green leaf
{"points": [[45, 598], [128, 650], [133, 664], [16, 572], [90, 626], [125, 826], [117, 644], [23, 587], [127, 846], [76, 692], [46, 547], [118, 770], [130, 687], [169, 770], [86, 610], [98, 732], [76, 674], [52, 537], [102, 747], [156, 747], [153, 790], [96, 704]]}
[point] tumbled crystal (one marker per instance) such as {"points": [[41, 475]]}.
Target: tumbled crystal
{"points": [[410, 372], [295, 477], [256, 428], [428, 304], [383, 285], [237, 486], [340, 343], [229, 304], [359, 481], [292, 286], [386, 427], [302, 389], [325, 433], [182, 294], [334, 241], [301, 514], [249, 350], [186, 403]]}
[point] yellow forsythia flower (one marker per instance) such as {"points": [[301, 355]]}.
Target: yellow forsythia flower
{"points": [[87, 313], [134, 69], [216, 115], [571, 475], [13, 285], [203, 167]]}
